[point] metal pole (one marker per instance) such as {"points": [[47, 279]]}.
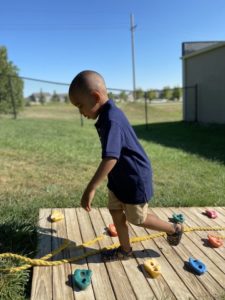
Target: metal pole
{"points": [[196, 103], [146, 112], [132, 28]]}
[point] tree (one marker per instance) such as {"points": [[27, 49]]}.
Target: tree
{"points": [[11, 86], [66, 99], [167, 93], [151, 94], [55, 97], [123, 96], [177, 93], [110, 95], [139, 93], [42, 99]]}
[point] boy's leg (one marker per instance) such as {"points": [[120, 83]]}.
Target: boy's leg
{"points": [[174, 231], [120, 223], [138, 215], [116, 208], [155, 223]]}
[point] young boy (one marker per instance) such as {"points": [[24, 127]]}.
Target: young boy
{"points": [[123, 161]]}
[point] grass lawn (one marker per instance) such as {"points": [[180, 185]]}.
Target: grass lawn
{"points": [[47, 158]]}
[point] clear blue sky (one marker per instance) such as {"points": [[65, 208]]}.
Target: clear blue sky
{"points": [[54, 40]]}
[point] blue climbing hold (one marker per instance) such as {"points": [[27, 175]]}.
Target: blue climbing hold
{"points": [[197, 266], [178, 218], [82, 278]]}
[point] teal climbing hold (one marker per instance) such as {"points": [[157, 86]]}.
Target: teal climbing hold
{"points": [[82, 278], [178, 218]]}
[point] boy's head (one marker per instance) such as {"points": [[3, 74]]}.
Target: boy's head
{"points": [[88, 93]]}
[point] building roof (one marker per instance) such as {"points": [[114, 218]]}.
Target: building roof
{"points": [[203, 48]]}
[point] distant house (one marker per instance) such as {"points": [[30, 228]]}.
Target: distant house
{"points": [[37, 98], [63, 97], [204, 68]]}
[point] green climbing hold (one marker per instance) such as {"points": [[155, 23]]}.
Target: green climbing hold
{"points": [[82, 278], [178, 218]]}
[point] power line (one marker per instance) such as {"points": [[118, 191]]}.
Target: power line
{"points": [[57, 82], [45, 26]]}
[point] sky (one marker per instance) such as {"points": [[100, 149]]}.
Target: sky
{"points": [[55, 40]]}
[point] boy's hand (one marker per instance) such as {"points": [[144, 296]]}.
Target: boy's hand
{"points": [[87, 198], [103, 170]]}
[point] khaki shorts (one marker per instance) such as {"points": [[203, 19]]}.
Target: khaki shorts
{"points": [[135, 213]]}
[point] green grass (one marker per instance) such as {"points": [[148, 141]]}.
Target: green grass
{"points": [[47, 158]]}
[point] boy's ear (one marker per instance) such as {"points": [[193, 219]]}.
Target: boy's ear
{"points": [[96, 95]]}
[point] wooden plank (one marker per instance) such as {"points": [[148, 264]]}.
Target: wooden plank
{"points": [[177, 256], [159, 286], [221, 210], [42, 276], [213, 279], [137, 280], [100, 280], [168, 285], [198, 237], [127, 279], [121, 285], [74, 235], [62, 285], [196, 213]]}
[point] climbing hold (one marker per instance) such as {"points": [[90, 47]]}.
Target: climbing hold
{"points": [[211, 213], [215, 241], [152, 267], [178, 218], [112, 230], [82, 278], [197, 266], [56, 216]]}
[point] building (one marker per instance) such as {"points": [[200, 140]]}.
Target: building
{"points": [[204, 81], [38, 98], [35, 98]]}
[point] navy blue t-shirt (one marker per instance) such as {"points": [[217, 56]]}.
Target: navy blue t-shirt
{"points": [[131, 178]]}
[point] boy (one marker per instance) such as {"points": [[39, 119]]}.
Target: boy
{"points": [[123, 161]]}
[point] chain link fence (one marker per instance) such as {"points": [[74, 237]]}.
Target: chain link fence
{"points": [[17, 92]]}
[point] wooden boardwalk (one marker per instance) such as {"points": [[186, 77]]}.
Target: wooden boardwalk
{"points": [[127, 279]]}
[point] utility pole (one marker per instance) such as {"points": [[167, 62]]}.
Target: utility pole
{"points": [[132, 28]]}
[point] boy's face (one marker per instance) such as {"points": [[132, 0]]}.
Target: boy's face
{"points": [[87, 105]]}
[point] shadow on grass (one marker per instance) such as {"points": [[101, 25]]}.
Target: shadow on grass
{"points": [[17, 235], [207, 141]]}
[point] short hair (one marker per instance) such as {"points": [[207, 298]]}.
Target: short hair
{"points": [[82, 81]]}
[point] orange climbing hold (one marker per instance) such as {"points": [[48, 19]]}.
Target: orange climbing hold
{"points": [[215, 241]]}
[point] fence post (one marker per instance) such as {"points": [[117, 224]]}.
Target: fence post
{"points": [[12, 97], [146, 112], [196, 102]]}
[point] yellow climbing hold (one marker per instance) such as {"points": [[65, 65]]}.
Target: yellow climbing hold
{"points": [[152, 267], [56, 216]]}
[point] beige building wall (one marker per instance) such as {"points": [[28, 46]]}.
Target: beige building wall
{"points": [[207, 70]]}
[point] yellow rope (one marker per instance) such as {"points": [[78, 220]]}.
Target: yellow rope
{"points": [[33, 262], [42, 261]]}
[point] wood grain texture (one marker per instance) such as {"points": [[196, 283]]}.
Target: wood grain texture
{"points": [[128, 279]]}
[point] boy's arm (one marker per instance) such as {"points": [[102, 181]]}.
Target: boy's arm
{"points": [[102, 171]]}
